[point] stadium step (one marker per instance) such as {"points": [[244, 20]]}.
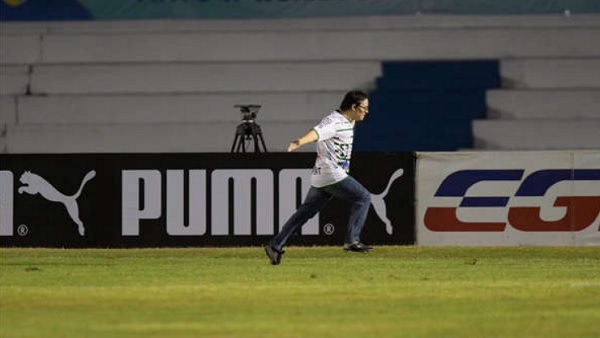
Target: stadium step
{"points": [[548, 73], [544, 104], [202, 77], [535, 134], [143, 138], [14, 80], [168, 108]]}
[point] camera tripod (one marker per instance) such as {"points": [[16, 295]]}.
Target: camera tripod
{"points": [[248, 131]]}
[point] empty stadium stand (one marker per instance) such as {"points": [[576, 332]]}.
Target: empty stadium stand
{"points": [[544, 104], [170, 86], [427, 105]]}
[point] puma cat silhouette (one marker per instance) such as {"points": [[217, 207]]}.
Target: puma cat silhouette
{"points": [[379, 203], [35, 184]]}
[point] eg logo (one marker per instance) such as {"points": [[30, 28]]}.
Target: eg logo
{"points": [[581, 211]]}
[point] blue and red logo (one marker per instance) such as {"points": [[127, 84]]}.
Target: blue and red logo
{"points": [[581, 211]]}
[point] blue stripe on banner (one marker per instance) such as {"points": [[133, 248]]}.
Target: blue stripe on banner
{"points": [[484, 202]]}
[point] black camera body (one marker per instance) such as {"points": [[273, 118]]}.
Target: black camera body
{"points": [[249, 111]]}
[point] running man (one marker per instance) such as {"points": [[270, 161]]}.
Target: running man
{"points": [[334, 136]]}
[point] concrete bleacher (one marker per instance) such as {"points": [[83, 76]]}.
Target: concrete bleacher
{"points": [[202, 77], [390, 37], [388, 22], [541, 134], [510, 104], [427, 105], [15, 80], [161, 86], [545, 104], [314, 45], [182, 108], [564, 73], [140, 137]]}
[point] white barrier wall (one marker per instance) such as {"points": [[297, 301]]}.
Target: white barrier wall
{"points": [[508, 198]]}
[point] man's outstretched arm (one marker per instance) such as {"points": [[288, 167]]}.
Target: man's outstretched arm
{"points": [[310, 137]]}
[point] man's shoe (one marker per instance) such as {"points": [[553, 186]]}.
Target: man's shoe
{"points": [[357, 247], [274, 254]]}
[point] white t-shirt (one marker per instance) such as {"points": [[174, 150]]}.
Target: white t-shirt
{"points": [[334, 148]]}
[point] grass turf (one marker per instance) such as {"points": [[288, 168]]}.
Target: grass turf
{"points": [[315, 292]]}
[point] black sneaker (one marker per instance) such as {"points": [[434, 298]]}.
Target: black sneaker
{"points": [[274, 254], [357, 247]]}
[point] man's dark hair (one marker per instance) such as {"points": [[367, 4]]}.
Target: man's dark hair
{"points": [[353, 97]]}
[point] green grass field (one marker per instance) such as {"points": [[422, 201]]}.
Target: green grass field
{"points": [[315, 292]]}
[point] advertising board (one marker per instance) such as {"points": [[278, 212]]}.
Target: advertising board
{"points": [[155, 200], [508, 198]]}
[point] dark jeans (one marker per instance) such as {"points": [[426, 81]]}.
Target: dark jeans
{"points": [[348, 189]]}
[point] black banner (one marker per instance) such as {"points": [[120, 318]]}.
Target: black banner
{"points": [[158, 200]]}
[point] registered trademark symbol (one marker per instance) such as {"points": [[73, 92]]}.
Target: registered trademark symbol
{"points": [[328, 229], [22, 230]]}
